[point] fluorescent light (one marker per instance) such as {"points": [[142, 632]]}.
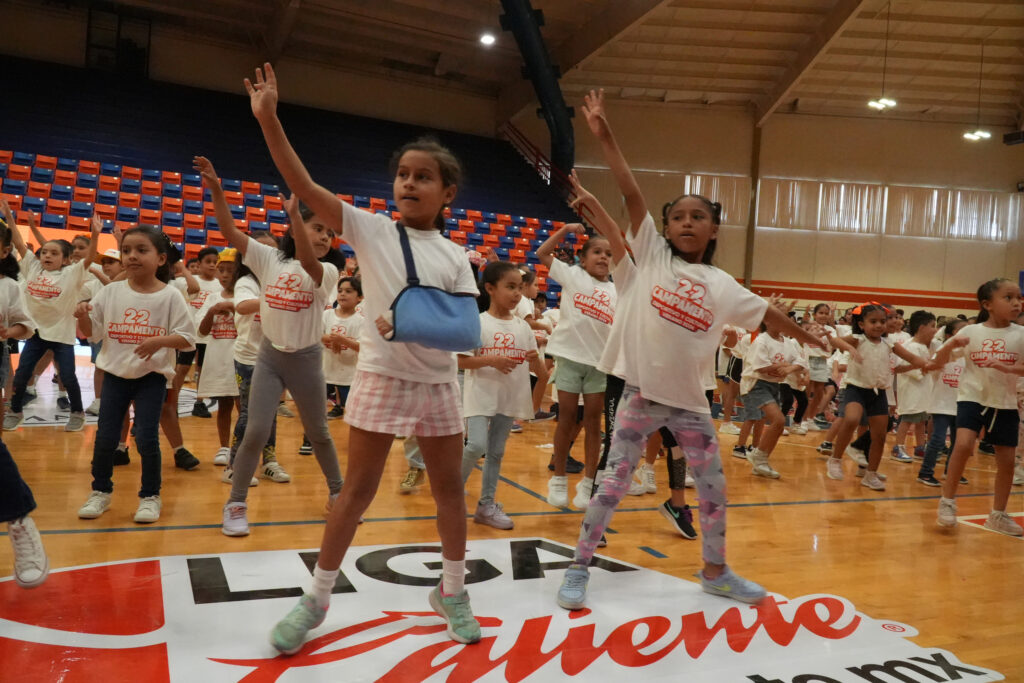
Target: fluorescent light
{"points": [[983, 134], [887, 102], [971, 136], [487, 39], [875, 104]]}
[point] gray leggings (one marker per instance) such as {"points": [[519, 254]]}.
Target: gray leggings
{"points": [[301, 373]]}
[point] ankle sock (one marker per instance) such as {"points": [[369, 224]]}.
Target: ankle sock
{"points": [[453, 576], [323, 584]]}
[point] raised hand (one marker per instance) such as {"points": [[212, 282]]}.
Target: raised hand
{"points": [[593, 110], [204, 167], [8, 214], [95, 226], [263, 93]]}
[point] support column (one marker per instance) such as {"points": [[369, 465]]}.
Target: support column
{"points": [[755, 175]]}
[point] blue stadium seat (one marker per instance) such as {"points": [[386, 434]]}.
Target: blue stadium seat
{"points": [[207, 197], [211, 223], [238, 211], [535, 244], [66, 164], [193, 206], [42, 175], [110, 169], [108, 197], [255, 200], [150, 202], [571, 237], [192, 179], [382, 212], [23, 159], [270, 188], [152, 175], [172, 190], [258, 225], [88, 180], [180, 246], [52, 220], [554, 286], [131, 185], [474, 239], [348, 251], [482, 228], [531, 258], [15, 186], [451, 223], [63, 192], [230, 185], [547, 223], [127, 213], [81, 209], [490, 216], [275, 216], [195, 236], [108, 226], [3, 170], [512, 231], [502, 253], [519, 220], [33, 204], [542, 234], [459, 213], [392, 206], [172, 218], [506, 242], [361, 201], [552, 298]]}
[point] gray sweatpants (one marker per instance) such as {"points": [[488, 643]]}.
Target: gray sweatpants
{"points": [[302, 374]]}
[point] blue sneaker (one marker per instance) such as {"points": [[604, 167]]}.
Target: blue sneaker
{"points": [[573, 591], [731, 585], [290, 633], [462, 625]]}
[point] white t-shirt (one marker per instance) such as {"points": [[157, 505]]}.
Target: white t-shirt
{"points": [[291, 305], [815, 352], [180, 285], [340, 367], [763, 352], [798, 352], [742, 345], [588, 308], [900, 338], [439, 263], [198, 301], [51, 297], [218, 376], [90, 286], [248, 326], [874, 371], [489, 392], [947, 384], [914, 388], [524, 309], [988, 386], [671, 321], [123, 318], [12, 306]]}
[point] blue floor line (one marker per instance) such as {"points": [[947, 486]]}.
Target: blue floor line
{"points": [[652, 551], [538, 513]]}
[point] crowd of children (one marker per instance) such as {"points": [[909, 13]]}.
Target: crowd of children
{"points": [[646, 324]]}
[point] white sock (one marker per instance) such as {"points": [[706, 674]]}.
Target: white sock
{"points": [[121, 445], [323, 584], [175, 449], [63, 394], [454, 576]]}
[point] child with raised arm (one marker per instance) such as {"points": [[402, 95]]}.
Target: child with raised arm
{"points": [[678, 304], [400, 388]]}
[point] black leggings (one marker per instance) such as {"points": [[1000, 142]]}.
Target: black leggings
{"points": [[612, 394], [789, 394]]}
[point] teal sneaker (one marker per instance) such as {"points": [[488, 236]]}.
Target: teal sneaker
{"points": [[573, 591], [731, 585], [462, 625], [290, 633]]}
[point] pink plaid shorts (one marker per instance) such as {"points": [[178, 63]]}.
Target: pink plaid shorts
{"points": [[388, 405]]}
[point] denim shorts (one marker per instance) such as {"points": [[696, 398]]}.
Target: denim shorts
{"points": [[760, 395]]}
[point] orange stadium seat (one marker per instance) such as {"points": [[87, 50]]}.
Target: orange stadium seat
{"points": [[172, 204], [105, 211], [129, 199], [248, 187], [504, 219], [18, 172], [172, 177], [58, 206], [517, 255], [5, 156], [131, 173], [149, 217], [474, 215], [46, 162], [41, 190], [89, 167], [216, 239], [65, 178], [192, 193], [457, 236], [378, 204], [253, 213], [176, 234], [84, 194], [193, 222], [78, 223], [13, 200], [497, 229], [109, 182], [532, 223], [491, 241]]}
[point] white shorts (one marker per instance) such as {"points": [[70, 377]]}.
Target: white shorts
{"points": [[388, 405]]}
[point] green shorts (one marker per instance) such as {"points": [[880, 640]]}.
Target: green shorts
{"points": [[577, 378]]}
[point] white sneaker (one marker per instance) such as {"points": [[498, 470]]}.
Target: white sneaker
{"points": [[650, 485], [798, 430], [223, 456], [97, 504], [236, 521], [759, 462], [835, 469], [228, 473], [1003, 523], [583, 489], [872, 481], [728, 428], [30, 562], [689, 482], [149, 510], [1018, 476], [274, 472], [810, 426], [94, 407], [75, 423], [947, 512], [637, 487], [558, 491], [857, 455]]}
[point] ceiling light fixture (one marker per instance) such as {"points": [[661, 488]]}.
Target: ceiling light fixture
{"points": [[488, 39], [883, 102], [979, 133]]}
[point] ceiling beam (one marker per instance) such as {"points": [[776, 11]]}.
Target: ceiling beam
{"points": [[632, 80], [280, 27], [945, 20], [775, 8], [841, 16], [895, 90], [926, 56], [621, 50], [640, 36], [615, 19], [697, 70], [941, 40], [970, 75], [970, 104]]}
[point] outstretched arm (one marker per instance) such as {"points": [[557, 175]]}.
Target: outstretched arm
{"points": [[225, 221], [303, 245], [603, 222], [263, 100], [787, 326], [16, 239], [546, 251], [95, 228], [593, 110]]}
